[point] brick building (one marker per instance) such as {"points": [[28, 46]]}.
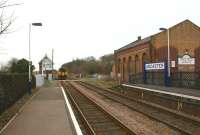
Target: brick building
{"points": [[184, 42]]}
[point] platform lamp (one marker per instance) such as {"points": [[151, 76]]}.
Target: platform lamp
{"points": [[30, 64], [168, 53], [168, 50]]}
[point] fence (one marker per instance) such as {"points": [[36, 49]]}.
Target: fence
{"points": [[12, 87], [177, 79]]}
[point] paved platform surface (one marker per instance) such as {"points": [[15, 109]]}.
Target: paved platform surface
{"points": [[190, 92], [45, 114]]}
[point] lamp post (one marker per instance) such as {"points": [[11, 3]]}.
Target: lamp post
{"points": [[168, 51], [29, 67]]}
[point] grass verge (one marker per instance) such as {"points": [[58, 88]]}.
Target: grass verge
{"points": [[108, 84]]}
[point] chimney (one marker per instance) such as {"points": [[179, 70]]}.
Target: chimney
{"points": [[139, 37]]}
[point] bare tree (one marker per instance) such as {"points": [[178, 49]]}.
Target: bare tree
{"points": [[5, 22]]}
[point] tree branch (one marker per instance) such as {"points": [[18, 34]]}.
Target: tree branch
{"points": [[5, 23]]}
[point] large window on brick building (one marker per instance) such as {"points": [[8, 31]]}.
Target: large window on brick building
{"points": [[161, 56], [118, 65], [124, 68], [144, 60], [130, 65], [137, 66], [197, 59]]}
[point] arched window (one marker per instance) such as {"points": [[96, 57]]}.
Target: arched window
{"points": [[118, 65], [129, 65], [136, 64], [197, 59], [144, 60], [123, 68], [161, 55]]}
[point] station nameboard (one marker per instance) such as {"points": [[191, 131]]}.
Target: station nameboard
{"points": [[155, 66]]}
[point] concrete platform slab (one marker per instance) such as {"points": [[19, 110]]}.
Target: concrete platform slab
{"points": [[45, 114], [180, 92]]}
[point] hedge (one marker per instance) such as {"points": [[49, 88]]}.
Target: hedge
{"points": [[12, 87]]}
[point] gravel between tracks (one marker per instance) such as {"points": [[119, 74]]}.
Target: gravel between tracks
{"points": [[139, 123]]}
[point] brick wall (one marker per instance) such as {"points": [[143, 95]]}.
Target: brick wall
{"points": [[184, 37], [127, 58]]}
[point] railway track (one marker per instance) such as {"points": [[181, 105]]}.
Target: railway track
{"points": [[92, 118], [179, 123]]}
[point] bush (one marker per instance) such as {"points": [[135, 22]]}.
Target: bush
{"points": [[12, 87]]}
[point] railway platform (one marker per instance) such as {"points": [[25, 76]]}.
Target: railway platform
{"points": [[44, 114], [185, 102], [173, 90]]}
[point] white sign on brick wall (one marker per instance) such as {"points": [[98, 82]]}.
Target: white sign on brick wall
{"points": [[186, 60], [155, 66], [173, 63]]}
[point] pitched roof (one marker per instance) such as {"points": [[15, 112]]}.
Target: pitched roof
{"points": [[135, 43], [45, 57], [148, 39]]}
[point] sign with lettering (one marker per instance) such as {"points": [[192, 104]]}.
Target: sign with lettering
{"points": [[186, 60], [173, 64], [155, 66]]}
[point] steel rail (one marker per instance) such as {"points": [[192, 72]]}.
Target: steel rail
{"points": [[74, 123], [87, 85], [105, 112], [84, 120]]}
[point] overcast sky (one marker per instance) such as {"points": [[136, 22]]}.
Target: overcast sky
{"points": [[81, 28]]}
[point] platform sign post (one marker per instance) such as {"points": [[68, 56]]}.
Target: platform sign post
{"points": [[157, 66], [145, 74], [166, 74]]}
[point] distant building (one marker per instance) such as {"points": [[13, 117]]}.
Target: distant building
{"points": [[46, 66], [184, 51]]}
